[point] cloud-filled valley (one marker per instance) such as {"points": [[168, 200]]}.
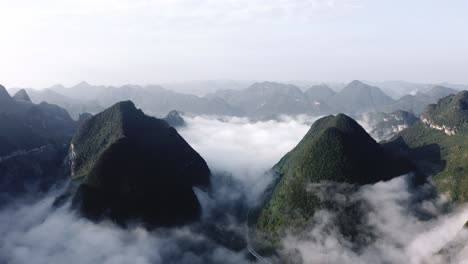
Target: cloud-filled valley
{"points": [[233, 132], [400, 223], [400, 218], [32, 230]]}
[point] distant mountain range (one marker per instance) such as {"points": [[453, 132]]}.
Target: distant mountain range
{"points": [[260, 100], [127, 167]]}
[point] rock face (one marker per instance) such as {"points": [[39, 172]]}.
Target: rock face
{"points": [[438, 144], [22, 95], [174, 119], [132, 166], [450, 114], [386, 125], [335, 149]]}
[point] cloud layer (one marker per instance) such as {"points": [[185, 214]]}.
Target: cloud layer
{"points": [[402, 224], [238, 152], [243, 148]]}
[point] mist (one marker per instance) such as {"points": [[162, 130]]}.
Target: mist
{"points": [[244, 148], [34, 233], [238, 151], [400, 223]]}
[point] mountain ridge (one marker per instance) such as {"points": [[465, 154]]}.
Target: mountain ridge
{"points": [[129, 165]]}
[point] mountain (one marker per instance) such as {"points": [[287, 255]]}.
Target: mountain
{"points": [[82, 91], [439, 91], [359, 97], [266, 99], [269, 99], [261, 100], [411, 103], [153, 99], [25, 125], [459, 87], [129, 166], [30, 171], [337, 149], [438, 144], [22, 95], [158, 101], [398, 89], [417, 102], [74, 106], [204, 87], [33, 143], [319, 93], [450, 114], [6, 102], [83, 117], [174, 119], [384, 126]]}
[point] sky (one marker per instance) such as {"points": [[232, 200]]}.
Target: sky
{"points": [[114, 42]]}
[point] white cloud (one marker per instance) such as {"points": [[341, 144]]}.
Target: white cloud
{"points": [[172, 10], [245, 149], [36, 232], [404, 228], [33, 233]]}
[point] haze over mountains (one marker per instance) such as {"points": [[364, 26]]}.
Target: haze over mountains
{"points": [[258, 100], [205, 181]]}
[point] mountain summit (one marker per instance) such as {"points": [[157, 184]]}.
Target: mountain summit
{"points": [[336, 149], [4, 95], [133, 166], [359, 97], [22, 95], [438, 144], [450, 114]]}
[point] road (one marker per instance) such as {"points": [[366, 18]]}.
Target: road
{"points": [[250, 248]]}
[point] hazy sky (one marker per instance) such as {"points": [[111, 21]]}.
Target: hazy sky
{"points": [[149, 41]]}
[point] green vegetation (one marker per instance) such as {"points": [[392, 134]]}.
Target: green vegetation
{"points": [[437, 154], [93, 138], [131, 166], [447, 160], [335, 149], [25, 126], [450, 111]]}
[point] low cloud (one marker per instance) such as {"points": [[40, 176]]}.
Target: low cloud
{"points": [[402, 224], [33, 233], [243, 148], [238, 151]]}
